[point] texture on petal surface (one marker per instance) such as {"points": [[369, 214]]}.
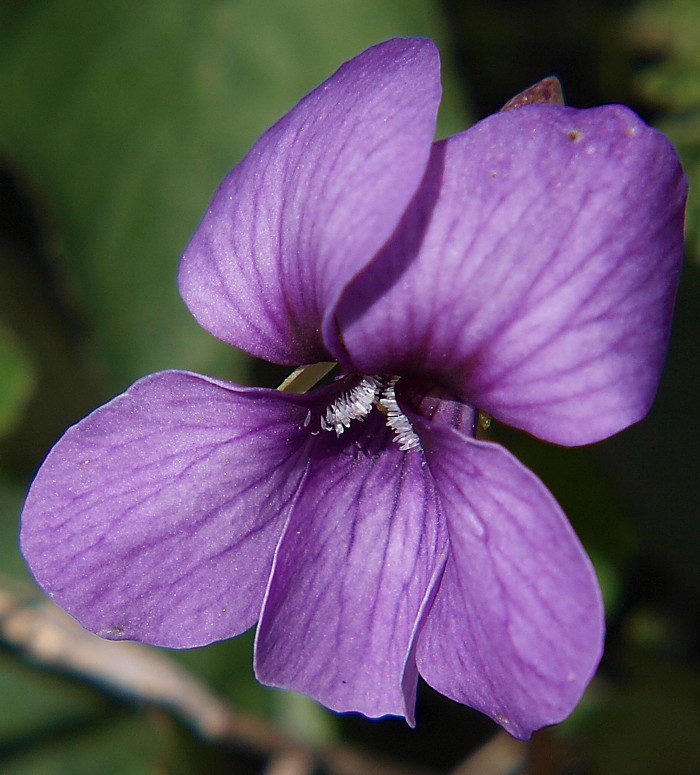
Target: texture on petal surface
{"points": [[357, 563], [312, 202], [527, 268], [156, 517], [542, 286], [516, 629]]}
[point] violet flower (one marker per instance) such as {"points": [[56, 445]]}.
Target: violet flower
{"points": [[526, 267]]}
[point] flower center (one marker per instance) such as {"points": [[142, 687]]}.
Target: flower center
{"points": [[357, 403], [354, 404], [404, 435]]}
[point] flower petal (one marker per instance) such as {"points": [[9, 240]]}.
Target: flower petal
{"points": [[312, 202], [516, 628], [156, 517], [356, 566], [536, 274]]}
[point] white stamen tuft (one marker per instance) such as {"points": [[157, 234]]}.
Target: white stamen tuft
{"points": [[355, 404], [404, 435]]}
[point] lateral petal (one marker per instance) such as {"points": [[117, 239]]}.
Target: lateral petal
{"points": [[156, 517], [536, 273], [516, 628], [357, 565], [312, 202]]}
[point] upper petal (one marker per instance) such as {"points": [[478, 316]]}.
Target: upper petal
{"points": [[516, 628], [156, 517], [312, 202], [359, 560], [536, 273]]}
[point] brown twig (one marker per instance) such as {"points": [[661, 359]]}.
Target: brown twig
{"points": [[501, 755]]}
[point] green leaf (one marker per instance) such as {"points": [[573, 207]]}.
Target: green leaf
{"points": [[667, 33], [34, 700], [11, 497], [106, 746], [128, 114], [17, 379]]}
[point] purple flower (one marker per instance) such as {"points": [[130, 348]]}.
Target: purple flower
{"points": [[527, 267]]}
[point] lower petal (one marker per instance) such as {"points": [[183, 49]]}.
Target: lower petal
{"points": [[516, 628], [361, 554], [156, 517]]}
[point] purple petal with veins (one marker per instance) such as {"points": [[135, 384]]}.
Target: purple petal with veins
{"points": [[363, 549], [312, 202], [535, 274], [516, 629], [527, 267], [156, 518]]}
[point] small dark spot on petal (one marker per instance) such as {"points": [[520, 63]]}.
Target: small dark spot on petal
{"points": [[574, 135], [494, 174]]}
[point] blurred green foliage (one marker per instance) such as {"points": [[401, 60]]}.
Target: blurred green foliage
{"points": [[126, 116], [17, 381], [117, 121], [664, 36]]}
